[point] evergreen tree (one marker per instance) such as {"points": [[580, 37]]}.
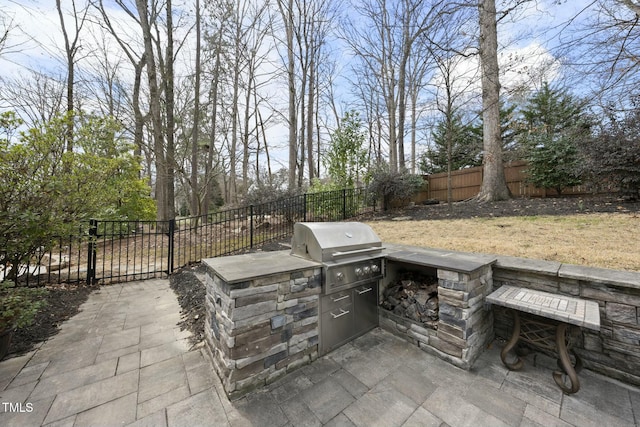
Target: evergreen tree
{"points": [[555, 124], [466, 147]]}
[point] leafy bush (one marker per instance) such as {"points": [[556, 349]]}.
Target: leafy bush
{"points": [[612, 158], [270, 195], [19, 305], [48, 191], [386, 185]]}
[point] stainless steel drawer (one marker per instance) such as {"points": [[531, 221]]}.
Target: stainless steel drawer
{"points": [[332, 301]]}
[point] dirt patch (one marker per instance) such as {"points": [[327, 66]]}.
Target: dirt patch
{"points": [[509, 208]]}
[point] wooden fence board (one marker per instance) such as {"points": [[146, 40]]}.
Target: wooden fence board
{"points": [[465, 184]]}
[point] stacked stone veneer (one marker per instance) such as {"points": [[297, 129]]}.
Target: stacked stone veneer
{"points": [[258, 330], [465, 323], [613, 351]]}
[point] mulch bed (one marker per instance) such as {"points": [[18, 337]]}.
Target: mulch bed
{"points": [[64, 300]]}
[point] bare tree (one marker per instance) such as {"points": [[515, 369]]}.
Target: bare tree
{"points": [[164, 204], [71, 48], [36, 96], [385, 46], [137, 59], [195, 134]]}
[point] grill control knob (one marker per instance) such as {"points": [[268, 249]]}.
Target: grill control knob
{"points": [[367, 270], [375, 268], [340, 276], [358, 271]]}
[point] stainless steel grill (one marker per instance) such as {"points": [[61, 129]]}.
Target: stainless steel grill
{"points": [[353, 263]]}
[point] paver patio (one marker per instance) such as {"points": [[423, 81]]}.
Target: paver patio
{"points": [[123, 361]]}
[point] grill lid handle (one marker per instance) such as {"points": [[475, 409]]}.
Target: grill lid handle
{"points": [[357, 252]]}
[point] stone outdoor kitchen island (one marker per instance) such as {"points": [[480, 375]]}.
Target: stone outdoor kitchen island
{"points": [[265, 312], [262, 317]]}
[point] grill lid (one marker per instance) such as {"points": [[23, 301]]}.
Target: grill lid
{"points": [[330, 241]]}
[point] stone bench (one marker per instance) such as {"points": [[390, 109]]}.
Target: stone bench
{"points": [[545, 325]]}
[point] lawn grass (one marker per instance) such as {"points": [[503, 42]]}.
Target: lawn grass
{"points": [[597, 240]]}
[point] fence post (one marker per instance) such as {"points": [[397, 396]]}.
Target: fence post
{"points": [[172, 227], [344, 204], [250, 226], [304, 200], [91, 252]]}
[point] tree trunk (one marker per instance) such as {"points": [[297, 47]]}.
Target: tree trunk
{"points": [[494, 185], [310, 117], [156, 114], [169, 101], [195, 193], [287, 17], [208, 175]]}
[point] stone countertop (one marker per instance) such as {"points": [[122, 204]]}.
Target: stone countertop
{"points": [[239, 268], [462, 262]]}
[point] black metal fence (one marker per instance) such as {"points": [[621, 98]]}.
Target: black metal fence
{"points": [[118, 251]]}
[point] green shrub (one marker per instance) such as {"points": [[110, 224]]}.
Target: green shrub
{"points": [[386, 185]]}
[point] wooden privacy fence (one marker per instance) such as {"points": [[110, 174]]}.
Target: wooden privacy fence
{"points": [[465, 184]]}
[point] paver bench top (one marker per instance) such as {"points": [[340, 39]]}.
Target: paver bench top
{"points": [[575, 311]]}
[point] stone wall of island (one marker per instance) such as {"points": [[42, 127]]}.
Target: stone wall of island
{"points": [[258, 329]]}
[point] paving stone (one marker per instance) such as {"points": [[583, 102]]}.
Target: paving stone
{"points": [[299, 414], [416, 385], [362, 368], [448, 405], [581, 414], [34, 418], [422, 418], [536, 417], [158, 338], [65, 358], [382, 406], [56, 384], [120, 339], [160, 402], [320, 369], [350, 383], [200, 377], [92, 395], [635, 405], [117, 353], [257, 409], [118, 412], [128, 362], [603, 395], [504, 406], [161, 377], [29, 374], [162, 352], [157, 419], [532, 399], [290, 386], [67, 422], [340, 420], [198, 410], [327, 399], [17, 394], [11, 367]]}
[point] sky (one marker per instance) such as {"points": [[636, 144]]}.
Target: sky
{"points": [[36, 43]]}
